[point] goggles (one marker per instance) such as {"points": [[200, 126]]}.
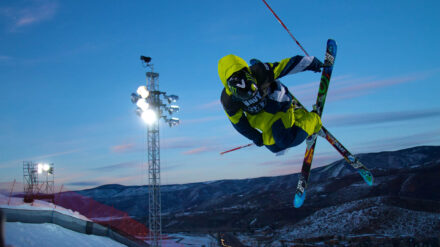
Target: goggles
{"points": [[242, 85]]}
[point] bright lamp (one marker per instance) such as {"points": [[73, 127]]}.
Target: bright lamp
{"points": [[46, 167], [149, 116], [40, 168], [143, 92], [142, 103]]}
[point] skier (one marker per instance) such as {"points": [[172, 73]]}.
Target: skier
{"points": [[260, 107]]}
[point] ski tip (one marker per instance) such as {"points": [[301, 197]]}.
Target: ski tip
{"points": [[370, 181], [331, 48], [331, 42], [299, 200], [367, 176]]}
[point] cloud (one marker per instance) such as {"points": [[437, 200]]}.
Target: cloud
{"points": [[347, 87], [404, 141], [199, 150], [29, 12], [119, 166], [4, 58], [203, 120], [369, 86], [84, 183], [195, 146], [45, 156], [378, 118], [165, 167], [124, 148], [38, 158], [216, 104], [178, 142]]}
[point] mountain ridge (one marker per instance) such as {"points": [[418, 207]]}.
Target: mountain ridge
{"points": [[370, 163], [406, 181]]}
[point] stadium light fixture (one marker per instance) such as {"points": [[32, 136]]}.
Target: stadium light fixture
{"points": [[143, 92], [142, 104], [150, 106], [149, 116], [173, 121], [172, 98], [42, 167], [134, 98], [46, 167], [173, 109]]}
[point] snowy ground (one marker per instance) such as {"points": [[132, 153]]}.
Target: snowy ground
{"points": [[194, 240], [49, 235], [23, 234], [368, 215], [17, 203]]}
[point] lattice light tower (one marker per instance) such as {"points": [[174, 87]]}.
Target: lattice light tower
{"points": [[150, 107], [38, 180]]}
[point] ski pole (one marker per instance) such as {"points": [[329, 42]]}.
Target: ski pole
{"points": [[281, 22], [240, 147]]}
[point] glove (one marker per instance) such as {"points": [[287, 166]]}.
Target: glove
{"points": [[315, 66], [258, 141], [315, 110], [318, 125]]}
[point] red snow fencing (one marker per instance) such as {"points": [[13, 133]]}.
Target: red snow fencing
{"points": [[102, 214]]}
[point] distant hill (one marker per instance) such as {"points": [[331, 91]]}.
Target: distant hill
{"points": [[406, 189]]}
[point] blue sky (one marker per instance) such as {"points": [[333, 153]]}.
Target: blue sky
{"points": [[67, 69]]}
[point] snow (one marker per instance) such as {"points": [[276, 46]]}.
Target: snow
{"points": [[194, 239], [253, 221], [357, 219], [317, 188], [25, 234], [358, 216], [17, 203], [247, 240], [360, 184], [49, 235]]}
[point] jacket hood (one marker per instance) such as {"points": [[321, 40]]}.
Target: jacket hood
{"points": [[227, 66]]}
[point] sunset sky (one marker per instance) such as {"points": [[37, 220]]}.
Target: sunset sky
{"points": [[67, 69]]}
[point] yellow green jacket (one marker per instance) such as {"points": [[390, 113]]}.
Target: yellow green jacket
{"points": [[278, 101]]}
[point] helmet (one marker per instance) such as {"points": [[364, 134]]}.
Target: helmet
{"points": [[242, 84]]}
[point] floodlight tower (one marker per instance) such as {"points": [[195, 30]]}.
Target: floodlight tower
{"points": [[151, 108], [38, 180], [30, 181]]}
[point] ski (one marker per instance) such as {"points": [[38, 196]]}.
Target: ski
{"points": [[352, 160], [329, 60]]}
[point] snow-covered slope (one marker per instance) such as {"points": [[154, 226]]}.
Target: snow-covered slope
{"points": [[49, 235], [17, 203], [365, 216], [46, 234]]}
